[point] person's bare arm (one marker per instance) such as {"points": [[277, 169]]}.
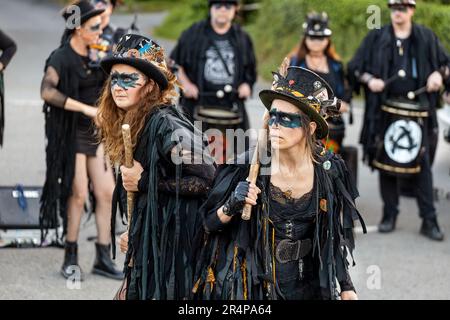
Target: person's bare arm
{"points": [[53, 96]]}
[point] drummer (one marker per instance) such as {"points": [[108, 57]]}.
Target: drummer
{"points": [[401, 45], [222, 56]]}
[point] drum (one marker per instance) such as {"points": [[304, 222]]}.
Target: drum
{"points": [[400, 147], [220, 118]]}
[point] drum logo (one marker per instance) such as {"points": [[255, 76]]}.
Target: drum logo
{"points": [[403, 140]]}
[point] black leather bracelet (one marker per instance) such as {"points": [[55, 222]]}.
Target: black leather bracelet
{"points": [[226, 210]]}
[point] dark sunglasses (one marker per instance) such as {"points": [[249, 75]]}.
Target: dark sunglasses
{"points": [[399, 8], [317, 38], [219, 5], [285, 119]]}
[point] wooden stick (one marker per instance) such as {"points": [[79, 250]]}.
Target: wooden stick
{"points": [[255, 165], [126, 134]]}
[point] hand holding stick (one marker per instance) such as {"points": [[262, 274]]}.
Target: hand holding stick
{"points": [[400, 74], [413, 94]]}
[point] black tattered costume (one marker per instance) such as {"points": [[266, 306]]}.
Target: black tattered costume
{"points": [[239, 260], [67, 75], [165, 217], [381, 55], [290, 248], [8, 49], [178, 172]]}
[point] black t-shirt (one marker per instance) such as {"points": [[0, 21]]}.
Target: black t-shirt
{"points": [[216, 75], [402, 59]]}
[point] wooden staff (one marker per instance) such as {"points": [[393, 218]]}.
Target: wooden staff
{"points": [[255, 164], [262, 141], [126, 134]]}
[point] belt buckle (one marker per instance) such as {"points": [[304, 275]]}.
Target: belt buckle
{"points": [[284, 248]]}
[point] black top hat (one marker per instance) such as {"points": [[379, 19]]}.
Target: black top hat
{"points": [[316, 25], [411, 3], [307, 91], [142, 53], [87, 11], [105, 2]]}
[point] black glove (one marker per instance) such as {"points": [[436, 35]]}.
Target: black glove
{"points": [[236, 201]]}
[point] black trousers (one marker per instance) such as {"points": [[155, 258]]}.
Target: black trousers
{"points": [[423, 189]]}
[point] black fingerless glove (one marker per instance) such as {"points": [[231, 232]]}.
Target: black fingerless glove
{"points": [[236, 201]]}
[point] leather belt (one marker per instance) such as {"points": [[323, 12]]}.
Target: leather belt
{"points": [[287, 250]]}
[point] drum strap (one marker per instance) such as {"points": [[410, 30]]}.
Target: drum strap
{"points": [[221, 58]]}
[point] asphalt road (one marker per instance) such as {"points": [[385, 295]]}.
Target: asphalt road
{"points": [[401, 265]]}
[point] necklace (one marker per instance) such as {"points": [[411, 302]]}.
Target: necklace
{"points": [[400, 47]]}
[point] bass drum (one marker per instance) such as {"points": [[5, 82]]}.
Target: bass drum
{"points": [[401, 146], [221, 119]]}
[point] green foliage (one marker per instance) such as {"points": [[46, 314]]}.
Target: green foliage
{"points": [[278, 27]]}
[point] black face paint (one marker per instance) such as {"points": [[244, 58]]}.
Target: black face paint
{"points": [[95, 27], [285, 119], [125, 80]]}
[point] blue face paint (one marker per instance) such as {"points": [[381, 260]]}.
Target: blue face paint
{"points": [[288, 120], [125, 80]]}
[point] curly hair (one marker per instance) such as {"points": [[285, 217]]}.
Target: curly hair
{"points": [[110, 118]]}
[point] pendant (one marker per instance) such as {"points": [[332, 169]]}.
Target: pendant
{"points": [[287, 194]]}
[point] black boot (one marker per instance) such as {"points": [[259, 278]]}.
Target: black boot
{"points": [[70, 267], [104, 265], [387, 224], [430, 229]]}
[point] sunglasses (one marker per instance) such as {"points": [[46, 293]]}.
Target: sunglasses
{"points": [[94, 28], [219, 5], [285, 119], [317, 38], [399, 8]]}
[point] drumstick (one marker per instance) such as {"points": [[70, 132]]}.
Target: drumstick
{"points": [[255, 165], [412, 94], [126, 134], [400, 74]]}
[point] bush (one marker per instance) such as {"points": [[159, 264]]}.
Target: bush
{"points": [[278, 26]]}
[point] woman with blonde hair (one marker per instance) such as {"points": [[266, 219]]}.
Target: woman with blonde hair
{"points": [[171, 174]]}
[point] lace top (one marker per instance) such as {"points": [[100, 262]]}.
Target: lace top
{"points": [[292, 217]]}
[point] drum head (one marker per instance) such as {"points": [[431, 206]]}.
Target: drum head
{"points": [[405, 104], [218, 115], [403, 140]]}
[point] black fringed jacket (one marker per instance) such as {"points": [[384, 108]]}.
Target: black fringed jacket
{"points": [[8, 49], [60, 126], [236, 259], [165, 216]]}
